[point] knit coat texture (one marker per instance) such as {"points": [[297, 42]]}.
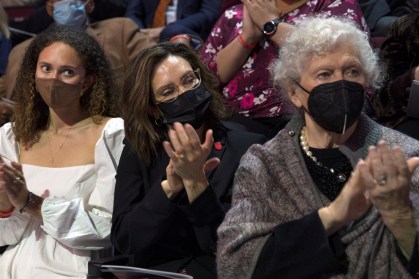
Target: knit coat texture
{"points": [[272, 186]]}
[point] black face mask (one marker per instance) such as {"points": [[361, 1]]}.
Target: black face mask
{"points": [[190, 107], [335, 106]]}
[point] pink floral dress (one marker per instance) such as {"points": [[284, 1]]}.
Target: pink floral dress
{"points": [[250, 91]]}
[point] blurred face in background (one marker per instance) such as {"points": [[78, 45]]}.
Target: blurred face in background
{"points": [[72, 13]]}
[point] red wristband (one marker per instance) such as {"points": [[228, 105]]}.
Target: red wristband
{"points": [[180, 36], [7, 214], [246, 45]]}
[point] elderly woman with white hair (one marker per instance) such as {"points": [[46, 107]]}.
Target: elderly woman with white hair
{"points": [[320, 199]]}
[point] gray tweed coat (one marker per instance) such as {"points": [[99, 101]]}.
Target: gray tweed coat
{"points": [[272, 186]]}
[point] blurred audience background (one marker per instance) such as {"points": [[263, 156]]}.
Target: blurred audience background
{"points": [[166, 18]]}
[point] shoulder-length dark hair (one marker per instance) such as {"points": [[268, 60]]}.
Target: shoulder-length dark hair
{"points": [[32, 113], [138, 98]]}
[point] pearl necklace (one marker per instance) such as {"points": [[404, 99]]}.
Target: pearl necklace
{"points": [[304, 145]]}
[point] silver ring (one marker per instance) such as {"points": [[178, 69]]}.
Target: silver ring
{"points": [[382, 180]]}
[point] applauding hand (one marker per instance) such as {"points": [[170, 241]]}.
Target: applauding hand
{"points": [[13, 184], [261, 11], [251, 34], [349, 206], [387, 178], [189, 158]]}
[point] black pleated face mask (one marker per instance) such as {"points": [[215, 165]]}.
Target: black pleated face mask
{"points": [[190, 107], [335, 106]]}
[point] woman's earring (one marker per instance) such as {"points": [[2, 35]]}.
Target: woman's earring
{"points": [[82, 92], [158, 121]]}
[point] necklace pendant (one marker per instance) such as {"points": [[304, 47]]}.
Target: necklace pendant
{"points": [[341, 177], [52, 160]]}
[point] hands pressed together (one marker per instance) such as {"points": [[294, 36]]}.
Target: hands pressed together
{"points": [[13, 190], [188, 161], [382, 180], [255, 14]]}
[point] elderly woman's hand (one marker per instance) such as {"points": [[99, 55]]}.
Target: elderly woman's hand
{"points": [[349, 206], [387, 178], [190, 158]]}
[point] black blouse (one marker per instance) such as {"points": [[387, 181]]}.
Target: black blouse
{"points": [[172, 235]]}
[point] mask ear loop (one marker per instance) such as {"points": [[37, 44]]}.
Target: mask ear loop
{"points": [[82, 90], [299, 85]]}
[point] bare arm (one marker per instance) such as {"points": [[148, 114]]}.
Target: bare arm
{"points": [[230, 59]]}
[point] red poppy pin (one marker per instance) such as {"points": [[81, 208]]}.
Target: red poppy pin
{"points": [[217, 145]]}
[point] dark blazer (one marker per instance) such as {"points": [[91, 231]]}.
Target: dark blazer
{"points": [[174, 234], [197, 15]]}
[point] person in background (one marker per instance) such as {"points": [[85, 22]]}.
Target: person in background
{"points": [[400, 54], [59, 159], [120, 38], [379, 14], [6, 109], [40, 20], [244, 41], [320, 200], [170, 198], [164, 19], [16, 3]]}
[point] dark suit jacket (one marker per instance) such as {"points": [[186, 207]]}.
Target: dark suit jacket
{"points": [[159, 231], [198, 15]]}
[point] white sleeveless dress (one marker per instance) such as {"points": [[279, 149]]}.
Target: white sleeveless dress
{"points": [[76, 212]]}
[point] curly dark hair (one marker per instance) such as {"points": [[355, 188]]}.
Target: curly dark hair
{"points": [[32, 113], [137, 97]]}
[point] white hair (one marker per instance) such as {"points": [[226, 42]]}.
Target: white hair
{"points": [[314, 35]]}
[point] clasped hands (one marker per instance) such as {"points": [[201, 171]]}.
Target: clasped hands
{"points": [[255, 14], [13, 185], [382, 180], [188, 161]]}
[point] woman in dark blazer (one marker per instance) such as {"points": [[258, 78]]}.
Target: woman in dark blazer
{"points": [[170, 198]]}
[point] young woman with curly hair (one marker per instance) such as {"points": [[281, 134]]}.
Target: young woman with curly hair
{"points": [[59, 159]]}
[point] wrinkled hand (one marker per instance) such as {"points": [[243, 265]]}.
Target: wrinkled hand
{"points": [[154, 33], [251, 34], [189, 157], [387, 178], [6, 111], [350, 205], [174, 184], [13, 183], [261, 11]]}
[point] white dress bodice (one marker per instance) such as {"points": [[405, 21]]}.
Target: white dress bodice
{"points": [[76, 212]]}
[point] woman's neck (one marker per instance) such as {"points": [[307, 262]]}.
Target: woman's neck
{"points": [[66, 117], [317, 137]]}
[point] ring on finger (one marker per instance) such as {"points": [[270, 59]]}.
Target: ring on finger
{"points": [[381, 180], [19, 175], [181, 156]]}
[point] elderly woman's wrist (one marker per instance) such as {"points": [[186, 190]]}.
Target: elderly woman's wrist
{"points": [[330, 223], [399, 220]]}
